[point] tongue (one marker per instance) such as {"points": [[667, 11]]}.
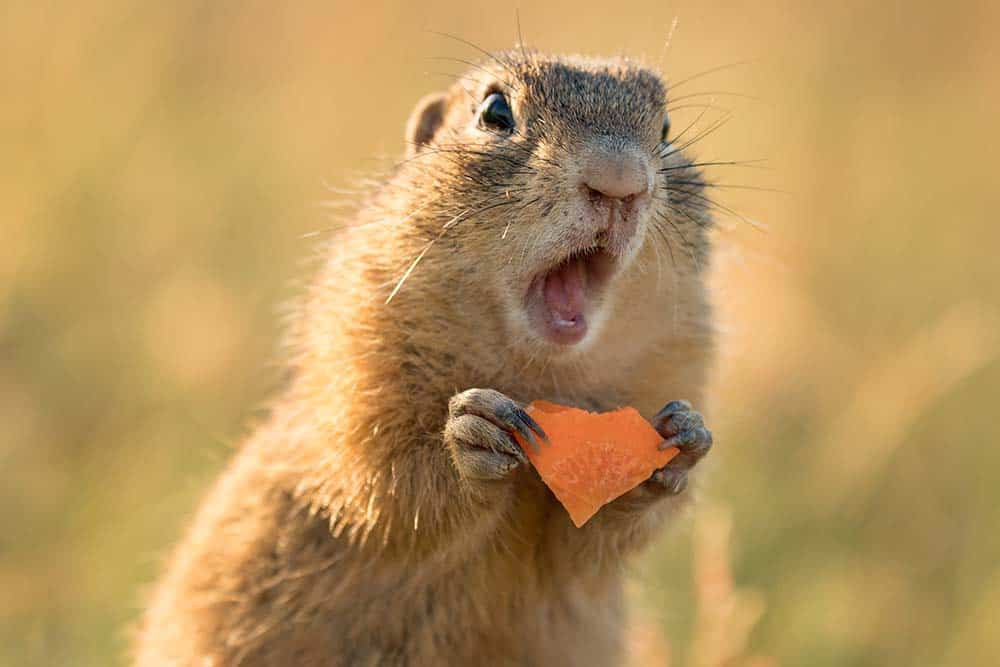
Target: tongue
{"points": [[563, 290]]}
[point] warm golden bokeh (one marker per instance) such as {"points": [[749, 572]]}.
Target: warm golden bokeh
{"points": [[167, 167]]}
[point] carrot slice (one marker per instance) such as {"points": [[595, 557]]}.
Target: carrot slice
{"points": [[592, 458]]}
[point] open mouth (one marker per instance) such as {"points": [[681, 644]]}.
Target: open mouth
{"points": [[560, 299]]}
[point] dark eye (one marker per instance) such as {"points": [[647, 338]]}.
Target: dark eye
{"points": [[495, 113], [665, 131]]}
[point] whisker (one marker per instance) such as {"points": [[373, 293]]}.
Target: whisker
{"points": [[720, 163], [520, 38], [687, 244], [670, 247], [708, 105], [711, 203], [682, 133], [731, 186], [462, 61], [464, 215], [413, 266], [713, 70], [723, 93], [704, 133], [506, 66]]}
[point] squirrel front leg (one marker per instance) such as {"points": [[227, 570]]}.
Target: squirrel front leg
{"points": [[462, 484], [451, 490], [480, 432]]}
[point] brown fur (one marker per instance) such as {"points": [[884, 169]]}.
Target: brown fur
{"points": [[342, 533]]}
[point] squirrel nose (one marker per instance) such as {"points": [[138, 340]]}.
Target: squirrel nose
{"points": [[615, 175]]}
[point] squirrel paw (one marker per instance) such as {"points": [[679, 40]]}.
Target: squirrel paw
{"points": [[480, 433], [683, 428]]}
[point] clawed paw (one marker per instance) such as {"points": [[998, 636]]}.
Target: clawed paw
{"points": [[480, 433], [683, 428]]}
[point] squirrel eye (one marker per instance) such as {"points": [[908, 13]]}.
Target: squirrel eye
{"points": [[495, 113], [665, 131]]}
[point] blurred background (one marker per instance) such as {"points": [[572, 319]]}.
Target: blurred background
{"points": [[164, 178]]}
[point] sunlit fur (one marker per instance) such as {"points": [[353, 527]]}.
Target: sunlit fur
{"points": [[341, 533]]}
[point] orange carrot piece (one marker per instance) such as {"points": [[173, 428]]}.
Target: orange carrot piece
{"points": [[593, 458]]}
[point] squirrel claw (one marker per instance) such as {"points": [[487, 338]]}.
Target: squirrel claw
{"points": [[683, 428], [480, 433]]}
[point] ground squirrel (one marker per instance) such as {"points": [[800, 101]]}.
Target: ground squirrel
{"points": [[544, 238]]}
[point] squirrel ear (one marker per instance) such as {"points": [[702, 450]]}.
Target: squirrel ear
{"points": [[425, 121]]}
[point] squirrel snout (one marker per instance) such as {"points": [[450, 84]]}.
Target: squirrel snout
{"points": [[615, 184], [615, 175]]}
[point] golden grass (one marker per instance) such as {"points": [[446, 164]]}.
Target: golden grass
{"points": [[164, 169]]}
